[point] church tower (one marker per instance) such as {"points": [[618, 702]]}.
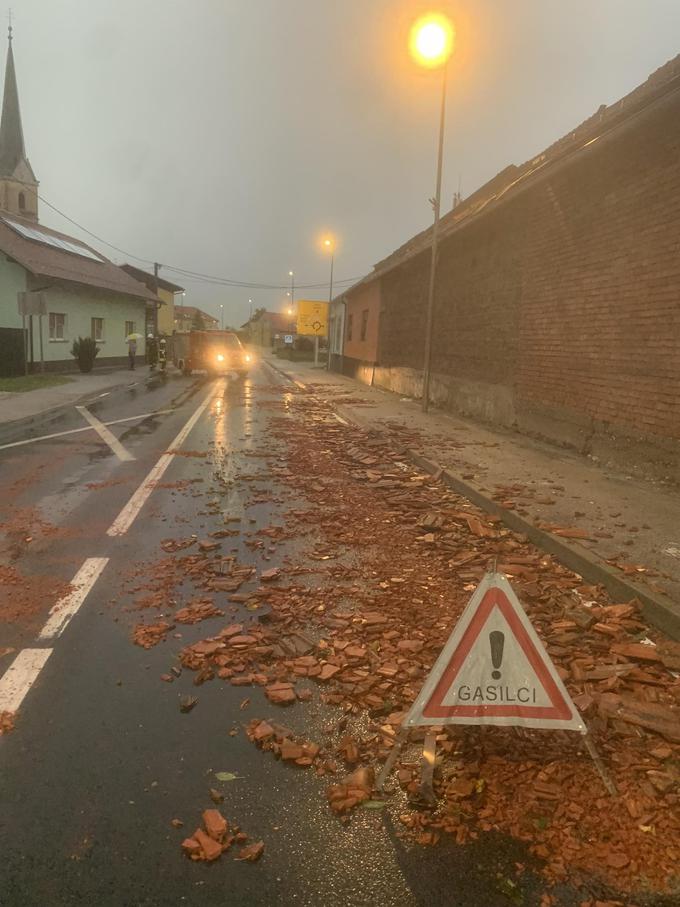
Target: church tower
{"points": [[18, 185]]}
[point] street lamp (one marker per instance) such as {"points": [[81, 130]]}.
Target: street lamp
{"points": [[431, 44], [292, 287], [222, 315]]}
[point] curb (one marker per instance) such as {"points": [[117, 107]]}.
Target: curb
{"points": [[658, 610], [14, 430]]}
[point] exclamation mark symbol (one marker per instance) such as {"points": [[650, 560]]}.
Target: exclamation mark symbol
{"points": [[496, 640]]}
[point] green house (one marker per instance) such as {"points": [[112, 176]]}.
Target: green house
{"points": [[85, 294]]}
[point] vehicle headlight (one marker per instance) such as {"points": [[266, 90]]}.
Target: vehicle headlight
{"points": [[220, 357], [247, 357]]}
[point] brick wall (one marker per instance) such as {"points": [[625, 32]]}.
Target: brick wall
{"points": [[563, 300], [364, 299]]}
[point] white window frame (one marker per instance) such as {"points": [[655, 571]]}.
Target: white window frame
{"points": [[54, 338], [94, 318]]}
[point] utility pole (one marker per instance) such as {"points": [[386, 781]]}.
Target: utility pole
{"points": [[156, 269], [436, 204], [328, 317]]}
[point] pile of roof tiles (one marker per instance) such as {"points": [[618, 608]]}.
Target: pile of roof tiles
{"points": [[395, 558]]}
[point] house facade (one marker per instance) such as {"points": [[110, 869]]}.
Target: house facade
{"points": [[163, 314], [336, 333], [186, 317], [85, 294], [266, 328]]}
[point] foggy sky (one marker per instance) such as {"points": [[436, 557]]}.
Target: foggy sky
{"points": [[224, 136]]}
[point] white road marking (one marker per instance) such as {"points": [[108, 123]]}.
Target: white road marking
{"points": [[108, 437], [20, 677], [303, 387], [340, 419], [67, 606], [75, 431], [127, 515]]}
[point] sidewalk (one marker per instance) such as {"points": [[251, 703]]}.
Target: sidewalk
{"points": [[628, 525], [21, 408]]}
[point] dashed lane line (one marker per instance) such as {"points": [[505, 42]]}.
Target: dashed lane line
{"points": [[75, 431], [67, 606], [20, 677], [107, 436], [128, 514]]}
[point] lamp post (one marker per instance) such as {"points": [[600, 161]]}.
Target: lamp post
{"points": [[292, 288], [329, 246], [431, 44], [222, 316]]}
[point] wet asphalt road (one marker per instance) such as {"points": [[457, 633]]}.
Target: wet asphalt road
{"points": [[102, 759]]}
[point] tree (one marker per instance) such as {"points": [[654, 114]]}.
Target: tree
{"points": [[197, 323]]}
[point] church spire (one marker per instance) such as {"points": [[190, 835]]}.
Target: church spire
{"points": [[20, 195]]}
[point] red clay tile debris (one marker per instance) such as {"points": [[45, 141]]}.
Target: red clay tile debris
{"points": [[217, 835], [7, 721], [393, 557]]}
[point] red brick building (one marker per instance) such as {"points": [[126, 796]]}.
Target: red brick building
{"points": [[557, 303]]}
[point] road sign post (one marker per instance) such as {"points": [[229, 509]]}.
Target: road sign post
{"points": [[312, 321], [32, 303]]}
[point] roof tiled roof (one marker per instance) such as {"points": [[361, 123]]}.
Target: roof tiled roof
{"points": [[278, 320], [190, 311], [660, 83], [48, 261], [150, 279]]}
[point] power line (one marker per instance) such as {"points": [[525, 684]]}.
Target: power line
{"points": [[196, 275], [89, 232]]}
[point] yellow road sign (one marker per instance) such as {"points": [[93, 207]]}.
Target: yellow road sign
{"points": [[312, 318]]}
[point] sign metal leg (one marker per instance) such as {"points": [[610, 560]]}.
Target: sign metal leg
{"points": [[397, 747], [599, 765], [425, 796]]}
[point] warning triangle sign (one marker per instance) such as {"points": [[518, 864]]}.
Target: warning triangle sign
{"points": [[495, 670]]}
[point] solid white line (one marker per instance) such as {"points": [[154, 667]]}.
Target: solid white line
{"points": [[74, 431], [67, 606], [106, 436], [127, 515], [340, 419], [20, 677]]}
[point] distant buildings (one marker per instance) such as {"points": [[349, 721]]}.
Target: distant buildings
{"points": [[266, 328], [85, 294], [188, 317]]}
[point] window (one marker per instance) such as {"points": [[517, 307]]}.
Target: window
{"points": [[364, 323], [22, 202], [129, 328], [97, 328], [350, 318], [57, 325]]}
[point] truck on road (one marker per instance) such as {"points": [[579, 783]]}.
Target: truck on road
{"points": [[214, 352]]}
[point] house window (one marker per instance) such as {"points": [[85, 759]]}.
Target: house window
{"points": [[364, 323], [129, 328], [350, 318], [22, 201], [57, 325], [97, 328]]}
